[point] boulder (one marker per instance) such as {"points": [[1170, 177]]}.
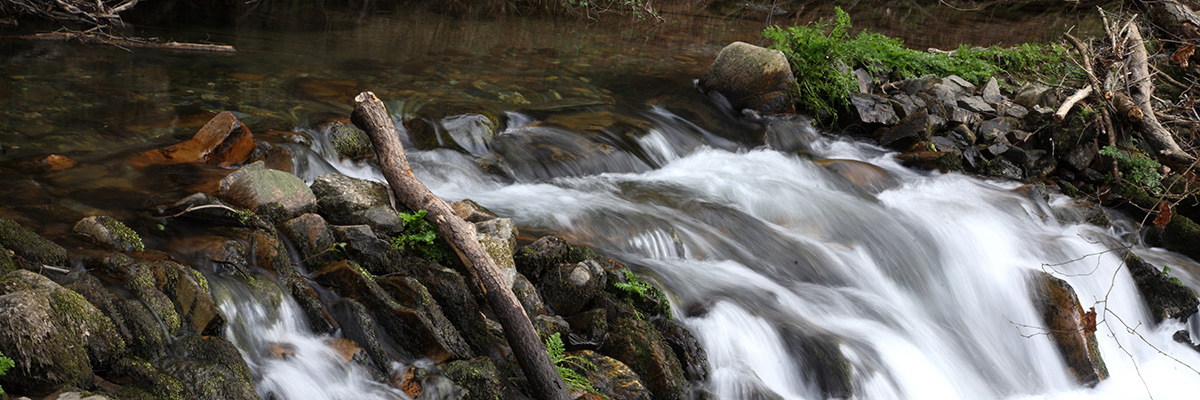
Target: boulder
{"points": [[419, 327], [536, 257], [348, 141], [588, 328], [273, 194], [751, 77], [923, 84], [358, 325], [471, 211], [144, 380], [820, 360], [479, 377], [962, 84], [566, 288], [30, 248], [344, 200], [548, 325], [312, 238], [991, 92], [53, 335], [1166, 298], [873, 109], [976, 104], [914, 128], [224, 141], [471, 132], [637, 344], [498, 236], [140, 280], [610, 377], [692, 356], [375, 255], [1029, 96], [1180, 235], [457, 301], [528, 296], [996, 129], [109, 233], [1072, 329]]}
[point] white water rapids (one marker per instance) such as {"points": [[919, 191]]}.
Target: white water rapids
{"points": [[921, 278]]}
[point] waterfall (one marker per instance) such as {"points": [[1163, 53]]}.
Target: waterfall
{"points": [[921, 279]]}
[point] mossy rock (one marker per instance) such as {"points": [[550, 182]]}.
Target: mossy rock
{"points": [[7, 264], [1166, 298], [637, 344], [1180, 235], [272, 194], [820, 358], [358, 325], [145, 381], [210, 382], [109, 233], [449, 289], [214, 350], [141, 279], [536, 257], [1069, 327], [479, 377], [611, 377], [29, 246]]}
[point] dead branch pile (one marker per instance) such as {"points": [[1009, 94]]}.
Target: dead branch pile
{"points": [[97, 14]]}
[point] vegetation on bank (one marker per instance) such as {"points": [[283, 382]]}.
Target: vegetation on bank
{"points": [[5, 364], [824, 53]]}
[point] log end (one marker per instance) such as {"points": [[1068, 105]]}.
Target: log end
{"points": [[365, 97]]}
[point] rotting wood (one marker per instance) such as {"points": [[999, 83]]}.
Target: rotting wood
{"points": [[1142, 91], [127, 42], [371, 116], [1126, 108], [1070, 102]]}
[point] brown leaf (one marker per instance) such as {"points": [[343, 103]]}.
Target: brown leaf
{"points": [[1182, 55], [1089, 321], [1164, 215]]}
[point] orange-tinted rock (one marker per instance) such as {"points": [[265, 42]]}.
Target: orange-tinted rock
{"points": [[1072, 329], [347, 349], [56, 162], [223, 141], [281, 351], [407, 381]]}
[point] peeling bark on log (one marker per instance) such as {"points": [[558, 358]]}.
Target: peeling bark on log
{"points": [[371, 116], [1142, 91]]}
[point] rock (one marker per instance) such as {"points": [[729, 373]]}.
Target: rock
{"points": [[691, 355], [210, 382], [457, 301], [69, 394], [962, 116], [56, 162], [566, 288], [420, 327], [637, 344], [312, 239], [146, 379], [139, 279], [109, 233], [272, 156], [273, 194], [819, 358], [1072, 329], [471, 132], [944, 161], [611, 378], [1030, 96], [866, 176], [53, 335], [1166, 298], [905, 105], [528, 296], [1179, 235], [976, 104], [376, 255], [912, 129], [588, 328], [536, 257], [1001, 168], [479, 377], [751, 77], [991, 92], [919, 85], [996, 129], [543, 152], [346, 349], [352, 201], [865, 81], [1079, 157], [498, 236], [873, 109], [1008, 108], [348, 141], [30, 249], [946, 94], [189, 290], [224, 141], [963, 84], [471, 211], [358, 325], [548, 325]]}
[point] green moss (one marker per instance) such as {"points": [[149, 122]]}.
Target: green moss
{"points": [[30, 246], [1139, 173], [124, 235], [201, 280]]}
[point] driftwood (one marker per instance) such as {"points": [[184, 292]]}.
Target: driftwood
{"points": [[1070, 102], [128, 42], [371, 116], [1142, 91]]}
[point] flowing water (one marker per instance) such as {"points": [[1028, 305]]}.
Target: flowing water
{"points": [[765, 233]]}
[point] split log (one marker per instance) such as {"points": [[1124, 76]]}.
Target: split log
{"points": [[371, 116], [128, 42], [1142, 91]]}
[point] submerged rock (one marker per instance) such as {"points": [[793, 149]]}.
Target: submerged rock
{"points": [[751, 77], [223, 141], [1072, 329], [1166, 298]]}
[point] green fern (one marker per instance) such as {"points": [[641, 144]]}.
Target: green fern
{"points": [[563, 362], [634, 286], [5, 364], [421, 236]]}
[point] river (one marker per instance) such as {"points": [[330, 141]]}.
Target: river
{"points": [[762, 231]]}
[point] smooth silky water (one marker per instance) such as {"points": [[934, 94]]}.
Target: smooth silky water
{"points": [[763, 232]]}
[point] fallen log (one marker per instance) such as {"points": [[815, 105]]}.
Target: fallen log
{"points": [[371, 116], [127, 42], [1070, 102], [1141, 92]]}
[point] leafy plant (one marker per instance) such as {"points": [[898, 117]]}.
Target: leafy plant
{"points": [[420, 235], [563, 362], [634, 286], [5, 364], [822, 55], [1139, 173]]}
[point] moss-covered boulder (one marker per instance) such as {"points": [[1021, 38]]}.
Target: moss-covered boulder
{"points": [[344, 200], [34, 250], [140, 279], [479, 378], [610, 377], [637, 344], [419, 328], [109, 233], [692, 357], [211, 368], [54, 335], [1180, 235], [1166, 298], [273, 194], [536, 257], [498, 236], [566, 288], [358, 325], [449, 289], [144, 381], [751, 77], [1073, 330], [348, 141], [363, 246]]}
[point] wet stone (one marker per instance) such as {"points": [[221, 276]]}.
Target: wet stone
{"points": [[873, 109], [273, 194], [976, 104], [991, 92]]}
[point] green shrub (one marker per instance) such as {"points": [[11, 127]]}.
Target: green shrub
{"points": [[822, 55], [421, 236], [5, 364], [1139, 173]]}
